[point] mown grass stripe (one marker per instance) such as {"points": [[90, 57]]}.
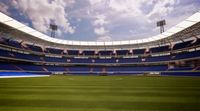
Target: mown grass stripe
{"points": [[97, 93]]}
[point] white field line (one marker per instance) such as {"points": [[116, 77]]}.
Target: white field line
{"points": [[24, 76]]}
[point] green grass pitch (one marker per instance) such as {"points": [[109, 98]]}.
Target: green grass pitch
{"points": [[100, 93]]}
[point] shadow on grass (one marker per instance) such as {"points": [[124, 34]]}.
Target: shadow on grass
{"points": [[101, 104]]}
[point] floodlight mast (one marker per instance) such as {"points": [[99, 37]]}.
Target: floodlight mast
{"points": [[53, 29], [161, 24]]}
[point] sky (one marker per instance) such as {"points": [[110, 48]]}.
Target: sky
{"points": [[100, 20]]}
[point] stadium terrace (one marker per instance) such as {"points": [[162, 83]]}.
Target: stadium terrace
{"points": [[174, 52]]}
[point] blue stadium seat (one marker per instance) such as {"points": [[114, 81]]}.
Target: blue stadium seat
{"points": [[180, 73], [80, 60], [88, 53], [73, 52], [186, 55], [159, 49], [55, 59], [35, 48], [54, 51], [56, 68], [105, 53], [158, 58], [122, 52], [13, 43], [7, 66], [28, 67], [182, 45], [138, 51], [181, 69]]}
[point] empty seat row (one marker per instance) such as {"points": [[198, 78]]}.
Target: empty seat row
{"points": [[158, 49], [31, 57], [45, 68]]}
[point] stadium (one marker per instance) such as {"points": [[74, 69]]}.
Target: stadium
{"points": [[42, 73]]}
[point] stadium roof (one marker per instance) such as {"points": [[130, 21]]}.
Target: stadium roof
{"points": [[190, 21]]}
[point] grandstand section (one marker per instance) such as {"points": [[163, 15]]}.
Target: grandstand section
{"points": [[174, 52]]}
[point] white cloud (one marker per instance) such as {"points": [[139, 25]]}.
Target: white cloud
{"points": [[93, 2], [136, 8], [99, 28], [131, 7], [100, 20], [143, 14], [4, 8], [162, 9], [43, 12], [107, 19], [120, 12], [100, 31]]}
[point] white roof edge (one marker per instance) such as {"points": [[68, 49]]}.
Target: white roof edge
{"points": [[195, 18]]}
